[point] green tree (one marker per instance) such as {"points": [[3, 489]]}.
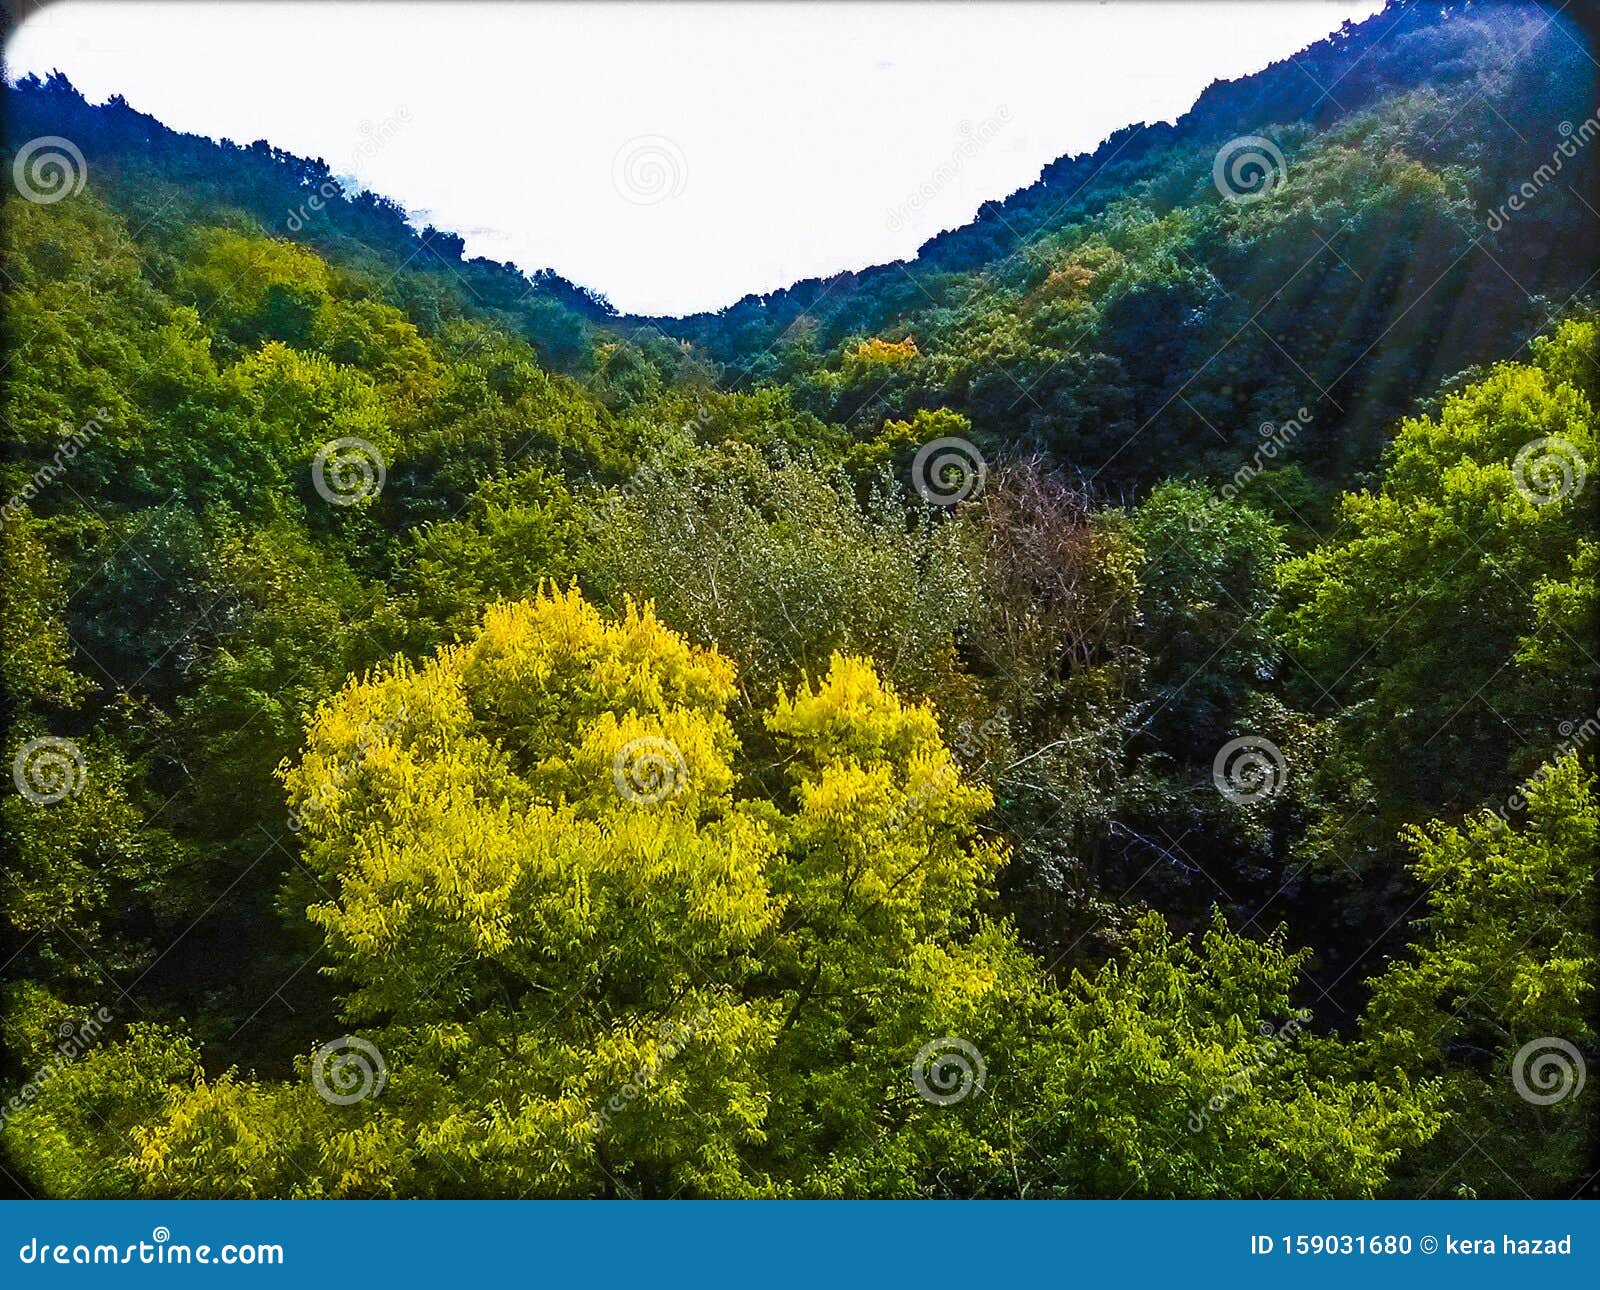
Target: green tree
{"points": [[1435, 618], [586, 960], [1498, 994]]}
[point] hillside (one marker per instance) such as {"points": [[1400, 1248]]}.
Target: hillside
{"points": [[1103, 709], [1121, 300]]}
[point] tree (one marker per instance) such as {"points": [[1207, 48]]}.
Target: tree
{"points": [[1498, 993], [1205, 585], [585, 959], [1189, 1071], [779, 564], [1434, 619]]}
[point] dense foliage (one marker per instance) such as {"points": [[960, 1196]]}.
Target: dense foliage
{"points": [[471, 743]]}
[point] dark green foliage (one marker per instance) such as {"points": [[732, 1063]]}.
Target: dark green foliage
{"points": [[1254, 471]]}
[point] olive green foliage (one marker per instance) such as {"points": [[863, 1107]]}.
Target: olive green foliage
{"points": [[1205, 588], [1500, 993], [780, 563], [586, 965], [639, 784], [1472, 554], [1120, 313]]}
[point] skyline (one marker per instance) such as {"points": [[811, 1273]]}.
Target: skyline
{"points": [[853, 144]]}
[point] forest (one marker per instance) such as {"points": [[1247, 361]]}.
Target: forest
{"points": [[1105, 708]]}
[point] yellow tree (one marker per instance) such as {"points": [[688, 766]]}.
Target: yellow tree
{"points": [[588, 947]]}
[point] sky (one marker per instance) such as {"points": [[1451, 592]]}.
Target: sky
{"points": [[674, 156]]}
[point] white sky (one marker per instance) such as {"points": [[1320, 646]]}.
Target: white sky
{"points": [[674, 156]]}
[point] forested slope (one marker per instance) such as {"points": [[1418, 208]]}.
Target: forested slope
{"points": [[1121, 317], [1105, 709]]}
